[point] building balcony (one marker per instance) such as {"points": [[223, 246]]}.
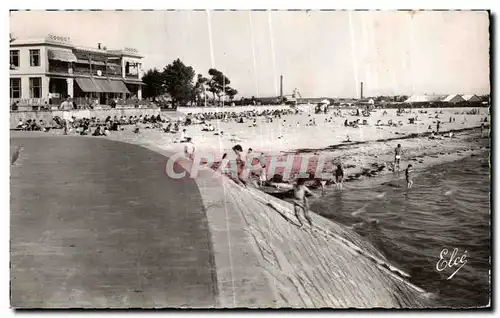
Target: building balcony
{"points": [[131, 75], [59, 69], [96, 72]]}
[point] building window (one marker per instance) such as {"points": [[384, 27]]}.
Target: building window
{"points": [[14, 59], [34, 57], [35, 87], [15, 88]]}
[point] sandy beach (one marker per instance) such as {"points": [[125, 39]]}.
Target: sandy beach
{"points": [[371, 147]]}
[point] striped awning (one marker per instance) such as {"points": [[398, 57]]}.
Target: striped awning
{"points": [[136, 82], [80, 61], [119, 87], [88, 85], [111, 86], [60, 55]]}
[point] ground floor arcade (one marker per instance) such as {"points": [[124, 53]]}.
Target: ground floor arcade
{"points": [[53, 90]]}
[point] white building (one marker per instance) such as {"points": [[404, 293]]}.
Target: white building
{"points": [[45, 71], [423, 99]]}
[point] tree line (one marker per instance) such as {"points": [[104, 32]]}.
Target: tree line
{"points": [[178, 80]]}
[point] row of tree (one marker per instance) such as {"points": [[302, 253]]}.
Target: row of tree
{"points": [[177, 79]]}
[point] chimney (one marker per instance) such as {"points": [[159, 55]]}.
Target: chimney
{"points": [[281, 86], [99, 46], [361, 90]]}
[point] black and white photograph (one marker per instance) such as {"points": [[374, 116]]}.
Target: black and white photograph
{"points": [[250, 159]]}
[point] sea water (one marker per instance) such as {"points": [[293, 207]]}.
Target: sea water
{"points": [[448, 207]]}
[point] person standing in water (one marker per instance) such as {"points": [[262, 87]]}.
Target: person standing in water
{"points": [[300, 201], [408, 171], [339, 177], [397, 157]]}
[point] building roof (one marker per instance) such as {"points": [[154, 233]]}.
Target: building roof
{"points": [[66, 42], [453, 98], [472, 98], [423, 98], [39, 41]]}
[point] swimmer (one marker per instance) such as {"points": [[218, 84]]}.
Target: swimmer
{"points": [[339, 177], [300, 201], [397, 157], [409, 181], [323, 183]]}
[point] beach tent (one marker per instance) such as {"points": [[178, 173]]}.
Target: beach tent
{"points": [[453, 99], [325, 101], [471, 98]]}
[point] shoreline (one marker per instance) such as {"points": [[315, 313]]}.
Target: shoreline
{"points": [[421, 153], [374, 165]]}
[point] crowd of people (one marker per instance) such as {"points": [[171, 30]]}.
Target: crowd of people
{"points": [[34, 125]]}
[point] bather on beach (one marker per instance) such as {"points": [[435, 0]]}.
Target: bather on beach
{"points": [[409, 181], [240, 164], [263, 175], [184, 136], [189, 148], [300, 201], [397, 157]]}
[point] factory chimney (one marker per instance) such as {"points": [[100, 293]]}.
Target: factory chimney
{"points": [[361, 90], [281, 86]]}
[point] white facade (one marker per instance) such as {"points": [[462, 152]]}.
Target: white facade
{"points": [[55, 73]]}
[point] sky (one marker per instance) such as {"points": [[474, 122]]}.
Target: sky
{"points": [[321, 53]]}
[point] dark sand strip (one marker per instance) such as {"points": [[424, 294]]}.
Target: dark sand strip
{"points": [[97, 224]]}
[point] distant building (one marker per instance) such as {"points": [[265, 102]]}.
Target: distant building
{"points": [[312, 100], [415, 99], [50, 69], [471, 98], [366, 101], [453, 99]]}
